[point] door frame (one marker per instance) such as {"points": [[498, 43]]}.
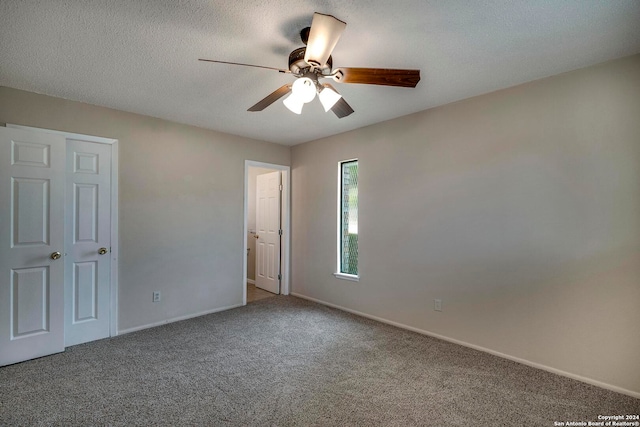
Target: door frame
{"points": [[285, 214], [113, 306]]}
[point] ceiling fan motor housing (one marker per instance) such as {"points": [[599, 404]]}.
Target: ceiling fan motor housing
{"points": [[298, 66]]}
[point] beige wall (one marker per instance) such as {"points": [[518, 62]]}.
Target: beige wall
{"points": [[181, 203], [520, 209]]}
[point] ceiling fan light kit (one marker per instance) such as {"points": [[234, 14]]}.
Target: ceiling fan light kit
{"points": [[294, 104], [313, 62], [328, 98], [323, 36], [303, 91]]}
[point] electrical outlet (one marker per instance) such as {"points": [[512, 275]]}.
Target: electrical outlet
{"points": [[437, 304], [156, 296]]}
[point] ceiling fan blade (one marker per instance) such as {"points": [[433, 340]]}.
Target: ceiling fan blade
{"points": [[323, 36], [378, 76], [271, 98], [246, 65], [342, 109]]}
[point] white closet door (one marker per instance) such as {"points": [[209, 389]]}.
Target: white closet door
{"points": [[31, 244], [88, 242]]}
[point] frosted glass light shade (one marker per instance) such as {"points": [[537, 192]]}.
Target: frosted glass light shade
{"points": [[304, 89], [328, 98], [293, 103], [325, 33]]}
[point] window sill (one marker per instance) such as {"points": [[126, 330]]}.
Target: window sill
{"points": [[349, 277]]}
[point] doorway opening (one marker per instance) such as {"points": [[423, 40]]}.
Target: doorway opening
{"points": [[266, 230]]}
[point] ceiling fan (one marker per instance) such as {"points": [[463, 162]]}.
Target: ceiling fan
{"points": [[311, 63]]}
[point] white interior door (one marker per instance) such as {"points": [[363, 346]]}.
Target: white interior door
{"points": [[268, 191], [31, 245], [88, 242]]}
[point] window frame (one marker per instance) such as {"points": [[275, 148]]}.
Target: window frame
{"points": [[339, 274]]}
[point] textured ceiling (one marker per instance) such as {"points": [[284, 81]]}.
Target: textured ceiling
{"points": [[141, 55]]}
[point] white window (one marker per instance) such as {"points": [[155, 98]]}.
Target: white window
{"points": [[348, 221]]}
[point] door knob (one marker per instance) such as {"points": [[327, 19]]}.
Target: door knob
{"points": [[256, 236], [55, 255], [102, 251]]}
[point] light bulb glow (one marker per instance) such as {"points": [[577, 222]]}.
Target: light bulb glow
{"points": [[304, 89], [328, 98], [293, 103]]}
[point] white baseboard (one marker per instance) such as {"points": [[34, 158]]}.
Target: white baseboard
{"points": [[251, 281], [477, 347], [177, 319]]}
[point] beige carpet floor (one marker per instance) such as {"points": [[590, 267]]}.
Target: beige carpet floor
{"points": [[284, 361]]}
